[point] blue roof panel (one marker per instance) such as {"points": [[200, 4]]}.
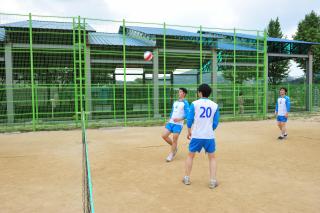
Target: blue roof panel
{"points": [[45, 25], [254, 37], [114, 39], [272, 39]]}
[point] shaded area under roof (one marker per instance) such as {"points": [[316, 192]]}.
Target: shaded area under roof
{"points": [[2, 34], [227, 46], [52, 25], [114, 39]]}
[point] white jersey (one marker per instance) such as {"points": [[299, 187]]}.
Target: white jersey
{"points": [[180, 110], [204, 116], [283, 105]]}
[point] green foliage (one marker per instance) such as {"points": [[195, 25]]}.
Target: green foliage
{"points": [[242, 74], [277, 70], [309, 30]]}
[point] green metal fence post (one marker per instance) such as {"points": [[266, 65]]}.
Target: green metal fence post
{"points": [[32, 75], [149, 107], [124, 72], [114, 101], [85, 71], [234, 72], [80, 63], [257, 76], [75, 71], [201, 68], [304, 92], [36, 102], [164, 73], [265, 73]]}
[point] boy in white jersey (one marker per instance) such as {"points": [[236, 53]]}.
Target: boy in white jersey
{"points": [[179, 112], [204, 117], [282, 110]]}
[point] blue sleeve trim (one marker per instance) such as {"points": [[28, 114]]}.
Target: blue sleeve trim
{"points": [[216, 119], [288, 103], [190, 117], [186, 109]]}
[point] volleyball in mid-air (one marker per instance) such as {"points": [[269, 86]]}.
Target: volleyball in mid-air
{"points": [[147, 56]]}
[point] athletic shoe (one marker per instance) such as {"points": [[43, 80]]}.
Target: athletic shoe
{"points": [[285, 135], [186, 180], [281, 137], [171, 156], [213, 184], [175, 152]]}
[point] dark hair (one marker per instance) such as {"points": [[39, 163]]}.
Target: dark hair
{"points": [[205, 90], [285, 89], [184, 90]]}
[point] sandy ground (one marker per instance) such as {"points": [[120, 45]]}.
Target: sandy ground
{"points": [[41, 172]]}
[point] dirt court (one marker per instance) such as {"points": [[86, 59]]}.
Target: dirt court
{"points": [[42, 171]]}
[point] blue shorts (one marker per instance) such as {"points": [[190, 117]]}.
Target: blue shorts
{"points": [[282, 118], [174, 128], [196, 145]]}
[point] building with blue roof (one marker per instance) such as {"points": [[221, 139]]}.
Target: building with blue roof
{"points": [[62, 51]]}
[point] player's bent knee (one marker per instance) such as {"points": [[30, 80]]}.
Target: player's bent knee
{"points": [[211, 155], [191, 154], [175, 138], [164, 135]]}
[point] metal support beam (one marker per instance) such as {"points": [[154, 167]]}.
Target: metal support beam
{"points": [[156, 83], [43, 46], [119, 61], [288, 55], [309, 79], [9, 82], [188, 51], [240, 64], [214, 75]]}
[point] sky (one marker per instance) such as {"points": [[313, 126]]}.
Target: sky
{"points": [[244, 14]]}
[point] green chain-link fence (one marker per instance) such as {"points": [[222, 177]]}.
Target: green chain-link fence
{"points": [[52, 68]]}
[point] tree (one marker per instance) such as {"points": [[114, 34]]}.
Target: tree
{"points": [[309, 30], [242, 73], [278, 70]]}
